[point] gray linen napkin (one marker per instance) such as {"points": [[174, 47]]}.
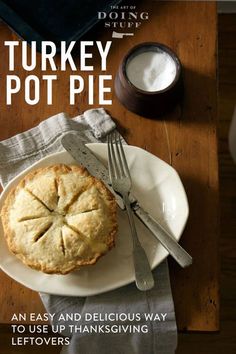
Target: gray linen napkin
{"points": [[23, 150]]}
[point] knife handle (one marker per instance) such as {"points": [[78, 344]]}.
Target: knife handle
{"points": [[165, 238]]}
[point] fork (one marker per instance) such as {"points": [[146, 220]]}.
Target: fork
{"points": [[121, 183]]}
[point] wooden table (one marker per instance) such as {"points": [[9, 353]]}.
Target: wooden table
{"points": [[186, 139]]}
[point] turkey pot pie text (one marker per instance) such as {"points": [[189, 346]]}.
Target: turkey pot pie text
{"points": [[59, 218]]}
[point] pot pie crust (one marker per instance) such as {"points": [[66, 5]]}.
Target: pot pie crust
{"points": [[59, 218]]}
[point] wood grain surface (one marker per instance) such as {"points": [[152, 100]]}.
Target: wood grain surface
{"points": [[186, 139], [223, 341]]}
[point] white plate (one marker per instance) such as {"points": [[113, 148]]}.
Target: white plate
{"points": [[159, 190]]}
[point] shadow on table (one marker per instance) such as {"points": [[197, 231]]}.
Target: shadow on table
{"points": [[201, 280]]}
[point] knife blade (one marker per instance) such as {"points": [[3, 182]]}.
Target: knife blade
{"points": [[80, 152]]}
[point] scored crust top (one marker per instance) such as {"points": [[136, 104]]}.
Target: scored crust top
{"points": [[59, 218]]}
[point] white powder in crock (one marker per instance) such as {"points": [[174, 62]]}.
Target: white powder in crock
{"points": [[151, 71]]}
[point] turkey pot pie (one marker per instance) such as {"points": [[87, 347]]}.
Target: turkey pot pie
{"points": [[59, 218]]}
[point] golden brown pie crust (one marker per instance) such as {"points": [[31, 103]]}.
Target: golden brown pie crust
{"points": [[59, 218]]}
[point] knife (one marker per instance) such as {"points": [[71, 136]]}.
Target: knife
{"points": [[76, 147]]}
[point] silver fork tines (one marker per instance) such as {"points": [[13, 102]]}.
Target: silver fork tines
{"points": [[121, 183]]}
